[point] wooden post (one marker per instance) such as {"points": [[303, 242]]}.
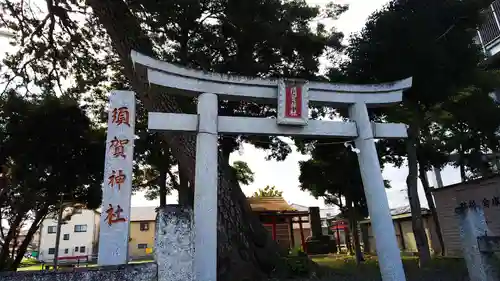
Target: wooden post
{"points": [[338, 238], [274, 228], [302, 240], [292, 238], [403, 244]]}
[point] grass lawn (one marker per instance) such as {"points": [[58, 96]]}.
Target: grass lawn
{"points": [[33, 265], [345, 268]]}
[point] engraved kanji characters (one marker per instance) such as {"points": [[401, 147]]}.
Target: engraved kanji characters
{"points": [[472, 204], [495, 201], [118, 147], [121, 116], [117, 178], [114, 215], [486, 203], [293, 105]]}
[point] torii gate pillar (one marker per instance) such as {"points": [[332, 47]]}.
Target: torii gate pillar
{"points": [[388, 251], [205, 190]]}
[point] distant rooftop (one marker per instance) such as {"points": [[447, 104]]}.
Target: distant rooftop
{"points": [[143, 214], [269, 204]]}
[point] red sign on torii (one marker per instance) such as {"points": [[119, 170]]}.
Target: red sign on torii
{"points": [[293, 103]]}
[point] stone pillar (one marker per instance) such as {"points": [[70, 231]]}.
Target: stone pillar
{"points": [[482, 266], [319, 243], [315, 222], [174, 244], [205, 190], [391, 266]]}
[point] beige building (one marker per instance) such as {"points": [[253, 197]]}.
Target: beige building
{"points": [[484, 192], [79, 236], [404, 231], [142, 232]]}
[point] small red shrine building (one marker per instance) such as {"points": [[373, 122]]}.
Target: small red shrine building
{"points": [[278, 217]]}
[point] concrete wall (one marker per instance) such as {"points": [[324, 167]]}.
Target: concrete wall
{"points": [[137, 236], [448, 198], [135, 272], [68, 247]]}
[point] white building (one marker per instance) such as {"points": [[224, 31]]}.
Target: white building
{"points": [[79, 236]]}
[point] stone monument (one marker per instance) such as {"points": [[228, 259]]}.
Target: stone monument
{"points": [[478, 244], [318, 243]]}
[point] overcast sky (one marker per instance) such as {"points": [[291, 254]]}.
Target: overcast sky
{"points": [[284, 175]]}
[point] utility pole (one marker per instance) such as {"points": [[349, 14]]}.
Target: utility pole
{"points": [[58, 231]]}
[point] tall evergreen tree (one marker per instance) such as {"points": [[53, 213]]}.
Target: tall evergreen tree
{"points": [[433, 42], [90, 42]]}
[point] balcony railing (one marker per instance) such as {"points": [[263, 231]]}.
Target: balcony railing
{"points": [[490, 30]]}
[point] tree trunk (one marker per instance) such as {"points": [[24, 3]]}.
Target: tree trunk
{"points": [[412, 184], [432, 206], [245, 249], [186, 191], [461, 163], [163, 188], [27, 239], [58, 232], [353, 225], [11, 234]]}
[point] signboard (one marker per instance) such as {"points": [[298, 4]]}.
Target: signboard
{"points": [[293, 102], [485, 203], [117, 185]]}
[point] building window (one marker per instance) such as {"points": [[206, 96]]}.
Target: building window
{"points": [[144, 226], [81, 228], [328, 214], [52, 251], [66, 237], [142, 246], [66, 250], [51, 229], [76, 249], [82, 249]]}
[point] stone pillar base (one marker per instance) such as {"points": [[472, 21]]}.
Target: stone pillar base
{"points": [[174, 244]]}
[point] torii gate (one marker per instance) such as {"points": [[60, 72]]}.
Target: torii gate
{"points": [[293, 99]]}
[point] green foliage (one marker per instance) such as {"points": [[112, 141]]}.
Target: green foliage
{"points": [[433, 42], [265, 38], [244, 174], [298, 262], [332, 173], [268, 191], [49, 148]]}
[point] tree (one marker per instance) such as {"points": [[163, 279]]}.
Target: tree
{"points": [[266, 38], [333, 173], [50, 149], [432, 41], [268, 191], [244, 175]]}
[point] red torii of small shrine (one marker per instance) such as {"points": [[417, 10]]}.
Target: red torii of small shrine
{"points": [[272, 218]]}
